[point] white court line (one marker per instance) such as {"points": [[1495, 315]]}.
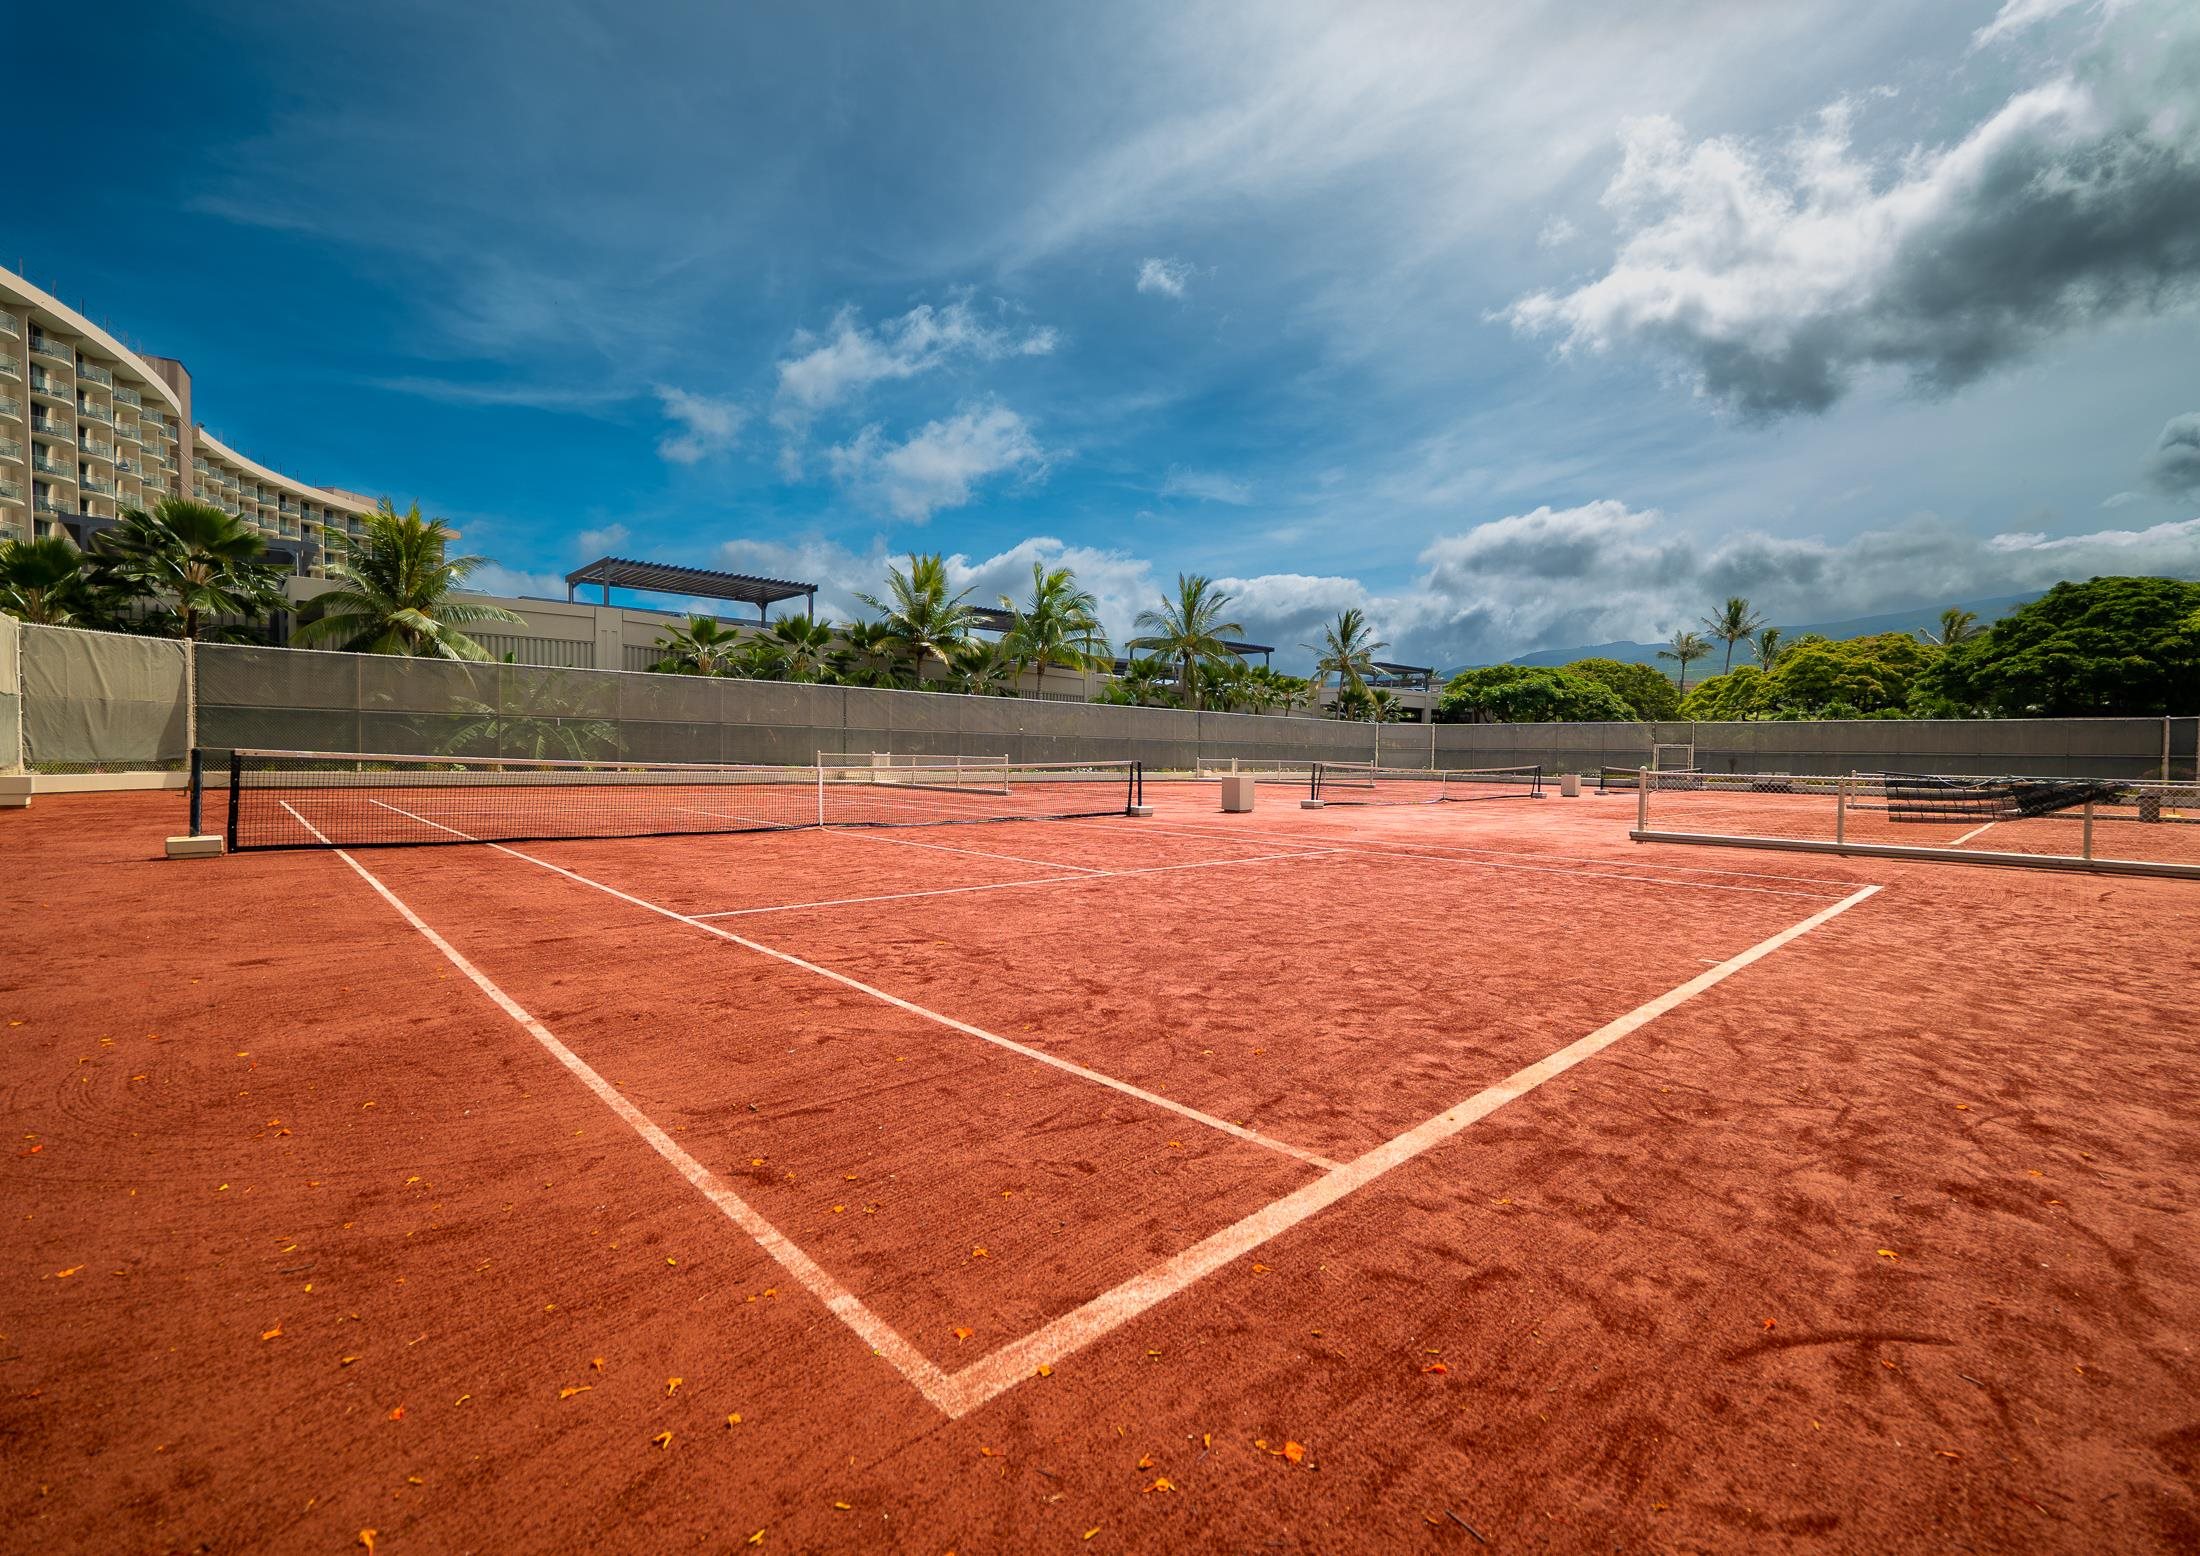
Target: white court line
{"points": [[1974, 832], [922, 1373], [1250, 1136], [1016, 1361], [1044, 880], [1377, 850], [958, 1394], [945, 848]]}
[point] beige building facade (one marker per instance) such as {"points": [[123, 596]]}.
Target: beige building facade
{"points": [[90, 427]]}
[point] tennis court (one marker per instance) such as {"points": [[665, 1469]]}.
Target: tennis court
{"points": [[894, 1159]]}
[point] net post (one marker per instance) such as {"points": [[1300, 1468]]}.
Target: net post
{"points": [[236, 783], [1642, 799], [2088, 845], [1840, 810], [198, 792]]}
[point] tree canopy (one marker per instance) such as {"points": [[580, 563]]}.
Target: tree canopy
{"points": [[1820, 678], [1644, 688], [1529, 694], [2104, 647]]}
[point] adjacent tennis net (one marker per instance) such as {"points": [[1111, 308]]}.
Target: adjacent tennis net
{"points": [[1356, 784], [319, 799]]}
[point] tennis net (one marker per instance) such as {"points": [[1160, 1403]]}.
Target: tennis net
{"points": [[319, 799], [1357, 784]]}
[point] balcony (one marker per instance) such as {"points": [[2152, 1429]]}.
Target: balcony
{"points": [[46, 465], [11, 451], [91, 412], [93, 483], [52, 350], [287, 505], [90, 373], [10, 407], [43, 386], [8, 326], [129, 397], [128, 467], [10, 491], [125, 434], [103, 452], [48, 505], [11, 366], [48, 427]]}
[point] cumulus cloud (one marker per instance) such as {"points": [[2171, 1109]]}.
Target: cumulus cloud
{"points": [[939, 465], [599, 542], [1778, 273], [702, 427], [1206, 486], [512, 583], [1165, 277], [1605, 571], [850, 356], [2174, 466]]}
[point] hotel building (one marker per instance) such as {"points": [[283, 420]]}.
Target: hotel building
{"points": [[89, 427]]}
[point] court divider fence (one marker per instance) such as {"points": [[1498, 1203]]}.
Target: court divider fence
{"points": [[75, 702]]}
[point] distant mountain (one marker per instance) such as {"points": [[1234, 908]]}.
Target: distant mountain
{"points": [[1923, 617]]}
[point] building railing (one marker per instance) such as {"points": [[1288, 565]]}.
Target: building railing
{"points": [[8, 326], [91, 412], [48, 505], [10, 406], [105, 451], [45, 466], [92, 373], [11, 490], [43, 384], [53, 427], [52, 350], [124, 434], [11, 366], [10, 449], [129, 397], [93, 483]]}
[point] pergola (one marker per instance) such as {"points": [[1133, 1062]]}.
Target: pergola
{"points": [[696, 582], [1413, 678]]}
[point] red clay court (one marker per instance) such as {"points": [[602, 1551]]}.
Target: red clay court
{"points": [[1377, 1178]]}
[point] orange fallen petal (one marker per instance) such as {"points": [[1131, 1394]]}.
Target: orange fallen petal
{"points": [[1145, 1461], [961, 1333], [1436, 1367], [265, 1334], [1294, 1452], [672, 1385], [662, 1439], [397, 1412], [1162, 1483], [366, 1537]]}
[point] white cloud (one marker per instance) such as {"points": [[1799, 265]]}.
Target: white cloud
{"points": [[1206, 486], [705, 427], [1168, 277], [511, 583], [940, 464], [2016, 16], [851, 356], [1778, 273], [2174, 465], [1556, 233], [600, 542]]}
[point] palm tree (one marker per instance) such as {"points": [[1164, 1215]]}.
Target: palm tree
{"points": [[804, 647], [982, 669], [1189, 629], [396, 583], [1348, 649], [866, 656], [207, 561], [1058, 625], [1956, 624], [1767, 646], [1225, 684], [42, 581], [1146, 682], [705, 646], [925, 621], [1734, 622], [1687, 647]]}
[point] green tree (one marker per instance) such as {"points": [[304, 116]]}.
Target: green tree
{"points": [[801, 648], [396, 593], [1738, 694], [1733, 622], [1768, 645], [1685, 649], [1528, 694], [925, 617], [867, 656], [192, 556], [1347, 651], [982, 669], [1145, 682], [704, 646], [1866, 677], [1189, 629], [1956, 625], [1644, 688], [2109, 646], [1058, 625], [43, 581]]}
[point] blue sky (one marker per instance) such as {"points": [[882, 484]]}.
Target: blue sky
{"points": [[1517, 325]]}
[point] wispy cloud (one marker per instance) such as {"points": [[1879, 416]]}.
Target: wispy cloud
{"points": [[851, 356], [703, 427], [940, 464], [1206, 486], [547, 397], [599, 542], [1167, 277]]}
